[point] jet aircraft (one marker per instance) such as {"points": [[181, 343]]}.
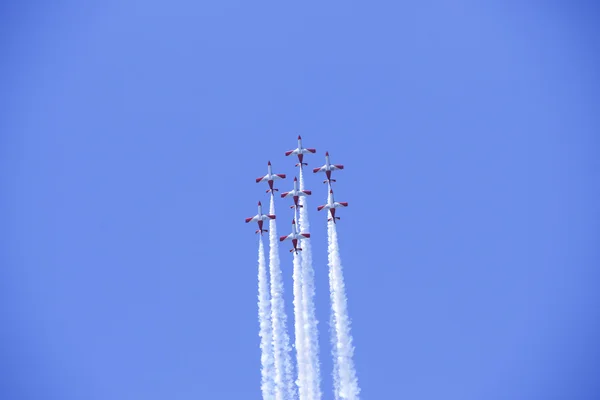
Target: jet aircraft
{"points": [[294, 236], [270, 177], [296, 194], [331, 206], [260, 217], [327, 168], [300, 152]]}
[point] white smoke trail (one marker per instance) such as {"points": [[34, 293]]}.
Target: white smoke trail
{"points": [[313, 370], [284, 383], [299, 329], [333, 331], [267, 384], [334, 353], [346, 374]]}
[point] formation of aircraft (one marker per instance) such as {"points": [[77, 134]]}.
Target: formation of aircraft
{"points": [[260, 218], [327, 168], [332, 205], [300, 152], [294, 236], [296, 193]]}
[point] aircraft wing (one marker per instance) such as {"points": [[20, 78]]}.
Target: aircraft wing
{"points": [[288, 237], [335, 167], [278, 176], [340, 204], [326, 206], [320, 169], [286, 194], [251, 219], [295, 151], [262, 178], [306, 151], [305, 235]]}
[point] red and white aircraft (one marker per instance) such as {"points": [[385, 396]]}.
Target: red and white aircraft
{"points": [[327, 168], [296, 194], [270, 177], [300, 152], [294, 236], [260, 217], [332, 205]]}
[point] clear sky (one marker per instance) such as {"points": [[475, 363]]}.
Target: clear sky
{"points": [[131, 135]]}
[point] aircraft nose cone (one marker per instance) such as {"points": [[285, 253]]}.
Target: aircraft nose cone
{"points": [[299, 137], [259, 203], [269, 163], [295, 179], [331, 191], [294, 221], [326, 153]]}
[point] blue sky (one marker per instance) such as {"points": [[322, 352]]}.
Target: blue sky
{"points": [[131, 137]]}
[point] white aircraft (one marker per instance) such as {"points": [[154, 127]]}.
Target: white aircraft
{"points": [[332, 205], [270, 177], [294, 236], [296, 194], [260, 217], [327, 168], [300, 152]]}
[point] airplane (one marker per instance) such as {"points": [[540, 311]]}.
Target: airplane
{"points": [[294, 236], [300, 152], [270, 177], [296, 194], [327, 168], [260, 217], [331, 206]]}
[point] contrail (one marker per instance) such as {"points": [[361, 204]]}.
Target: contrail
{"points": [[311, 335], [346, 374], [299, 329], [284, 383], [267, 385]]}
